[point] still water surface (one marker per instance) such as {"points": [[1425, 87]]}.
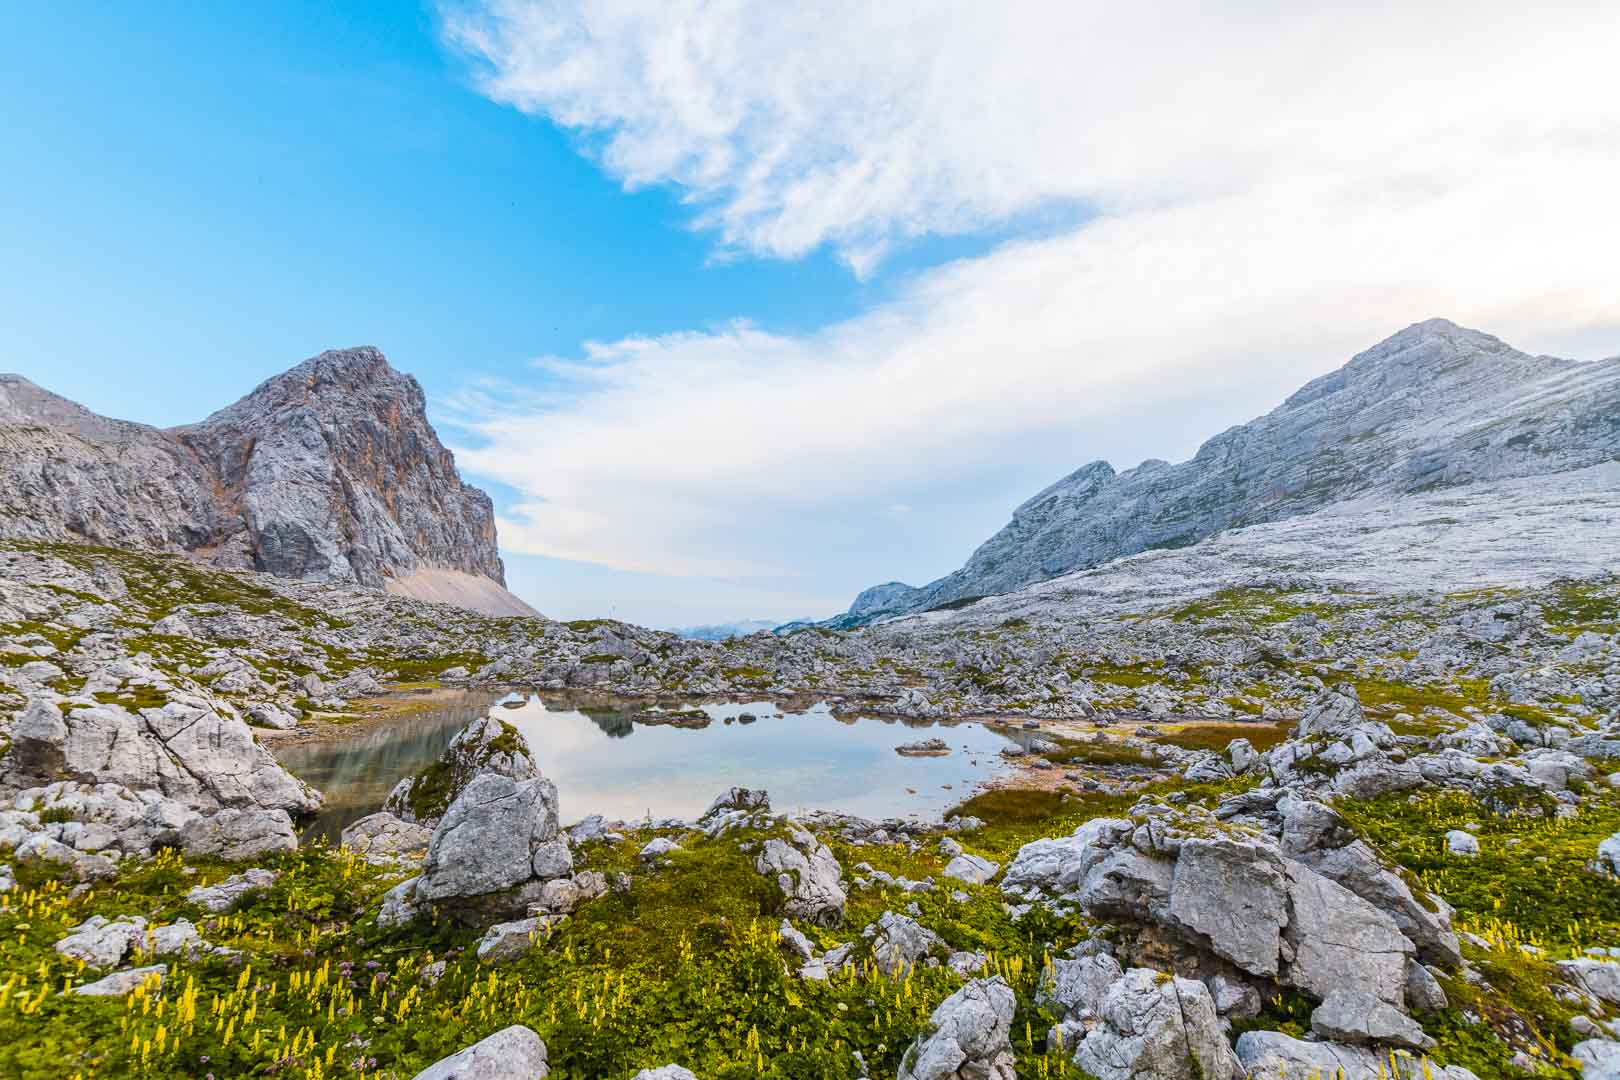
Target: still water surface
{"points": [[604, 761]]}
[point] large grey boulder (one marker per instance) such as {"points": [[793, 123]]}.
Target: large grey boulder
{"points": [[1354, 1016], [492, 839], [190, 750], [1157, 1027], [239, 835], [1340, 941], [1234, 894], [514, 1053], [1228, 892], [1317, 836], [382, 837], [808, 874], [1272, 1055], [969, 1038]]}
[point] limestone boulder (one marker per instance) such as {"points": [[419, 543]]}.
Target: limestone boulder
{"points": [[514, 1053], [969, 1037]]}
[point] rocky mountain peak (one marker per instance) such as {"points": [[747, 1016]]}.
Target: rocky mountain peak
{"points": [[1434, 405], [328, 471]]}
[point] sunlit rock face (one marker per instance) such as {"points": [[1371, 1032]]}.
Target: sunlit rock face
{"points": [[1435, 406], [329, 472]]}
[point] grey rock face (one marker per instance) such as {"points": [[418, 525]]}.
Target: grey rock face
{"points": [[514, 1053], [488, 745], [970, 1038], [329, 471], [384, 837], [188, 751], [240, 835], [123, 983], [489, 838], [1436, 405], [1342, 942], [1235, 894], [222, 896], [1157, 1027], [809, 876], [1271, 1055], [1353, 1016]]}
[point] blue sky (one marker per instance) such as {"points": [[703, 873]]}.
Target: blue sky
{"points": [[739, 310]]}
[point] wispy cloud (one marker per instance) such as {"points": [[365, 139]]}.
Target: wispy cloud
{"points": [[1273, 189]]}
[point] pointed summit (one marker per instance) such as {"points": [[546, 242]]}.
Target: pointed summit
{"points": [[328, 471], [1435, 405]]}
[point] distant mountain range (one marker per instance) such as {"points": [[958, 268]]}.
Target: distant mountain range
{"points": [[722, 631], [1435, 406], [329, 471]]}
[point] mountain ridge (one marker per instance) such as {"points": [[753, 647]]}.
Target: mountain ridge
{"points": [[1434, 405], [327, 471]]}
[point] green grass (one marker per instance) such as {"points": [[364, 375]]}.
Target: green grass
{"points": [[1216, 737], [1531, 879]]}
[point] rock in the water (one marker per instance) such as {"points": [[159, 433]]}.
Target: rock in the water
{"points": [[514, 1053], [1354, 1016], [970, 1036], [808, 873], [1157, 1027], [123, 983], [924, 748], [487, 745]]}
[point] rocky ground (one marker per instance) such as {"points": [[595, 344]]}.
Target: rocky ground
{"points": [[1276, 821]]}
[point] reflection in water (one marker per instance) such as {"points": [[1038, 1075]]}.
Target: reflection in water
{"points": [[808, 761]]}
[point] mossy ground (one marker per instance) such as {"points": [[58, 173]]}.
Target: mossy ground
{"points": [[685, 966]]}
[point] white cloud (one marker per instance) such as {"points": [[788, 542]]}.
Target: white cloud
{"points": [[1274, 187]]}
